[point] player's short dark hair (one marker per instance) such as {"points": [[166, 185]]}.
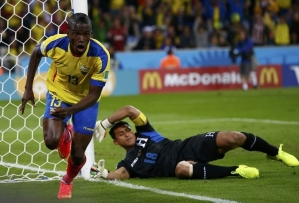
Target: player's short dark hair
{"points": [[115, 126], [78, 18]]}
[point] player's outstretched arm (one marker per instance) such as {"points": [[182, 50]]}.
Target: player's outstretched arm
{"points": [[125, 112], [119, 174], [35, 59], [101, 172]]}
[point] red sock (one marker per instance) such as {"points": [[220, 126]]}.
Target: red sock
{"points": [[72, 171]]}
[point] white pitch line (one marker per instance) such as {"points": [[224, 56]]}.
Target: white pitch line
{"points": [[30, 168], [165, 192], [251, 120]]}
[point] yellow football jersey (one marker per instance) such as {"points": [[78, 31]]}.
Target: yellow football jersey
{"points": [[69, 76]]}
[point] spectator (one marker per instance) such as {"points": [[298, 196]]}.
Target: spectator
{"points": [[117, 35], [200, 33], [149, 14], [213, 42], [132, 25], [171, 33], [186, 39], [220, 34], [146, 42], [168, 44], [158, 37], [102, 28], [258, 29], [222, 42], [282, 33], [170, 61], [269, 21], [164, 15], [179, 20]]}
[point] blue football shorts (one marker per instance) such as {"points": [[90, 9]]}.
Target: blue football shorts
{"points": [[83, 121]]}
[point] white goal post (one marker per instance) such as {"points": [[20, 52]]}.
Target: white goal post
{"points": [[23, 155]]}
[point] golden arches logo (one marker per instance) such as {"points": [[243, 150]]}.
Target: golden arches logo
{"points": [[268, 75], [151, 80]]}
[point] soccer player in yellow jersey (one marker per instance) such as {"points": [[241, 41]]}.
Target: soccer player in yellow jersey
{"points": [[75, 80]]}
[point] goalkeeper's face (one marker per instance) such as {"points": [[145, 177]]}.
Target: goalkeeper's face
{"points": [[79, 36], [124, 137]]}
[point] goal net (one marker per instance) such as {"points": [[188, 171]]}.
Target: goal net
{"points": [[23, 24]]}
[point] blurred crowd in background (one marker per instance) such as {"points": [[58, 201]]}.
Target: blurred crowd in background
{"points": [[130, 25]]}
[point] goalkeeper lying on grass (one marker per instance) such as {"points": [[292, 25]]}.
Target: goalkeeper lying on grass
{"points": [[151, 155]]}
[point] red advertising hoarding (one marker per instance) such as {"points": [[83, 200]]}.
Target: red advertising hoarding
{"points": [[203, 79]]}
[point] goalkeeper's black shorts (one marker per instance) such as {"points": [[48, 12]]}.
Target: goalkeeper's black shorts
{"points": [[200, 148]]}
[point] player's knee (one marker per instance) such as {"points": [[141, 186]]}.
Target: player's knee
{"points": [[50, 142], [237, 139], [234, 139], [184, 170]]}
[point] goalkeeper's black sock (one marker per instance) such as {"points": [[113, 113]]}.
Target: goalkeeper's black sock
{"points": [[208, 171], [255, 143]]}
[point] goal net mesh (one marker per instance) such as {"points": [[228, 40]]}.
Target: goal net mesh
{"points": [[23, 24]]}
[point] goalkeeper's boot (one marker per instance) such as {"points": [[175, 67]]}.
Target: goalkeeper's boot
{"points": [[65, 144], [246, 172], [285, 157], [65, 190]]}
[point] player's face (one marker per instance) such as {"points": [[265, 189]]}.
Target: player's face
{"points": [[79, 36], [124, 137]]}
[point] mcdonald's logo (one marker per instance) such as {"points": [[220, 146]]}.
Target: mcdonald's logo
{"points": [[151, 80], [269, 76]]}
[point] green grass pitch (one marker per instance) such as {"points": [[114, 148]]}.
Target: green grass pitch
{"points": [[270, 113]]}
